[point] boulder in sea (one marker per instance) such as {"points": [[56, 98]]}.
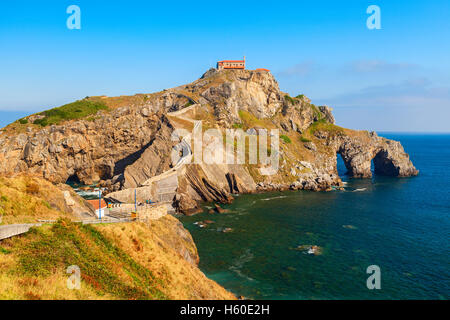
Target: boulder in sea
{"points": [[219, 209]]}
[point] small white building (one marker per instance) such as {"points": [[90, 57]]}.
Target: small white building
{"points": [[101, 207]]}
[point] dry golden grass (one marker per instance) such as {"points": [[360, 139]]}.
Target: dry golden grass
{"points": [[117, 261], [15, 286], [158, 247], [250, 121], [25, 198], [181, 123], [122, 101]]}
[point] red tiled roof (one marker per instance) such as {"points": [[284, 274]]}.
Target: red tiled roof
{"points": [[94, 203], [232, 61], [262, 69]]}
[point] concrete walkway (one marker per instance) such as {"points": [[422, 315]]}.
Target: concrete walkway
{"points": [[11, 230], [163, 187]]}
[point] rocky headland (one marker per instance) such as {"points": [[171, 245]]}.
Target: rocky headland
{"points": [[126, 145]]}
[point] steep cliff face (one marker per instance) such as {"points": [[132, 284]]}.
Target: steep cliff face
{"points": [[129, 144], [89, 150]]}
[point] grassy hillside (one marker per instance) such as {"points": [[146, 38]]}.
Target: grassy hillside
{"points": [[24, 199], [117, 261], [72, 111]]}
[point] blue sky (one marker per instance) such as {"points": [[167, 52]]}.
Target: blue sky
{"points": [[393, 79]]}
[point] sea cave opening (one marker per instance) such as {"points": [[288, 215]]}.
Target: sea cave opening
{"points": [[382, 165], [73, 180], [341, 168]]}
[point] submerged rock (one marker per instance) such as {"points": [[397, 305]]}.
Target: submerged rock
{"points": [[310, 249], [219, 209]]}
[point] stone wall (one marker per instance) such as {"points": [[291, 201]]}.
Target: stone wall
{"points": [[152, 213]]}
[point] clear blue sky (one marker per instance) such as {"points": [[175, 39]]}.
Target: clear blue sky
{"points": [[393, 79]]}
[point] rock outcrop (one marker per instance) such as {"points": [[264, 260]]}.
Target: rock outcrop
{"points": [[131, 143], [388, 156]]}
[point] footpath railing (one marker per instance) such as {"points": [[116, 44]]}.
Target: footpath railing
{"points": [[144, 213], [11, 230]]}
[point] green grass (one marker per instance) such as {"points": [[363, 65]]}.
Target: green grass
{"points": [[316, 112], [190, 103], [67, 243], [285, 138], [72, 111], [45, 203], [250, 121], [303, 139], [4, 251], [323, 125], [238, 126], [289, 99]]}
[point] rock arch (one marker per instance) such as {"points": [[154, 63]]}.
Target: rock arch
{"points": [[388, 156]]}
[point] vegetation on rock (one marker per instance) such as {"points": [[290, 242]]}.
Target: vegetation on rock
{"points": [[285, 138], [72, 111]]}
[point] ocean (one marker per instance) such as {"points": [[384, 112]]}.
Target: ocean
{"points": [[400, 225]]}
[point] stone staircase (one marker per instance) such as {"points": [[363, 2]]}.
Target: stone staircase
{"points": [[164, 186], [118, 215]]}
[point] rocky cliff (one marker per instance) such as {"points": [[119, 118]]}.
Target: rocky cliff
{"points": [[128, 143]]}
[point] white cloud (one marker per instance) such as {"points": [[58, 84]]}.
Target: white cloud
{"points": [[371, 66], [410, 93], [301, 69]]}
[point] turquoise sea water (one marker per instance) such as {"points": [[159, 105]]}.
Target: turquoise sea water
{"points": [[401, 225]]}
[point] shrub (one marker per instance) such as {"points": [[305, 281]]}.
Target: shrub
{"points": [[23, 121], [285, 138], [42, 122]]}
